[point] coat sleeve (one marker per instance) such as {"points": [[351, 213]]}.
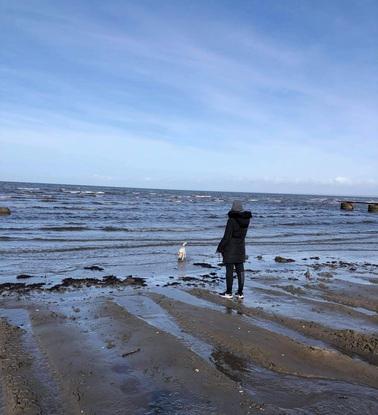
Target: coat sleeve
{"points": [[226, 237]]}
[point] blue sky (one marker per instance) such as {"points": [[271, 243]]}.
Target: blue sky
{"points": [[271, 96]]}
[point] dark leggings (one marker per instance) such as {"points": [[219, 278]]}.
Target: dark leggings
{"points": [[230, 276]]}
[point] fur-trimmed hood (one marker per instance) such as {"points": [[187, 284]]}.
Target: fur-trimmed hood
{"points": [[242, 218]]}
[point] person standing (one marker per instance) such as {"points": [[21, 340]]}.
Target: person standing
{"points": [[232, 247]]}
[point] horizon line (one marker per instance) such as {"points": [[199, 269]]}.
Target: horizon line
{"points": [[187, 190]]}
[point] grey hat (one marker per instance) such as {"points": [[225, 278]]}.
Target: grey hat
{"points": [[237, 206]]}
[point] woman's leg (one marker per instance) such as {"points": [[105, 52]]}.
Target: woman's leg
{"points": [[240, 271], [229, 277]]}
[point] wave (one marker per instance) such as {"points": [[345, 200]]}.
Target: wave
{"points": [[168, 229], [74, 208], [328, 246], [69, 191], [81, 192], [316, 223], [65, 228], [147, 244], [319, 199], [115, 229], [29, 189], [89, 192], [48, 199]]}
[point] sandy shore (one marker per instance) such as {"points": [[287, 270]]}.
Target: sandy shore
{"points": [[131, 348]]}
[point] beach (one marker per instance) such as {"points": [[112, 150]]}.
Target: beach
{"points": [[143, 350], [98, 317]]}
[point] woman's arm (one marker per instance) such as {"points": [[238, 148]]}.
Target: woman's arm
{"points": [[226, 237]]}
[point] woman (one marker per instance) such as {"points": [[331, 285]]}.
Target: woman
{"points": [[232, 247]]}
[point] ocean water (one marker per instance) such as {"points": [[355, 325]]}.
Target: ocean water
{"points": [[56, 230]]}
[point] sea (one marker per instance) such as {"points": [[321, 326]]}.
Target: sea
{"points": [[55, 230]]}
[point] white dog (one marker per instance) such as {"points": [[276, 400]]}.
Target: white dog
{"points": [[182, 252]]}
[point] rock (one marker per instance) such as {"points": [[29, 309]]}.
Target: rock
{"points": [[4, 211], [171, 284], [259, 257], [283, 260], [110, 344], [20, 287], [325, 274], [74, 282], [107, 281], [135, 281], [12, 286], [203, 265], [373, 207], [346, 206], [111, 280], [23, 276], [315, 257], [94, 268], [187, 278]]}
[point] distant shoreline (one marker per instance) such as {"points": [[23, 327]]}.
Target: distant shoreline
{"points": [[188, 190]]}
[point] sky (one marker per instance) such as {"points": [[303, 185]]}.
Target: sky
{"points": [[254, 95]]}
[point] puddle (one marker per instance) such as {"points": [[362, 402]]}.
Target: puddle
{"points": [[147, 310], [185, 297], [298, 307], [266, 324], [168, 402], [294, 394], [291, 392], [94, 337], [292, 334]]}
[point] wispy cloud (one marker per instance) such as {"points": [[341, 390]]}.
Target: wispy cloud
{"points": [[215, 82]]}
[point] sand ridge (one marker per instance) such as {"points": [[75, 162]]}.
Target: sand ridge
{"points": [[131, 349]]}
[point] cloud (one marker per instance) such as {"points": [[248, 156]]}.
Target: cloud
{"points": [[213, 88], [341, 180]]}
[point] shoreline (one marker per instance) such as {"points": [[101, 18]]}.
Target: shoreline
{"points": [[249, 192], [126, 345]]}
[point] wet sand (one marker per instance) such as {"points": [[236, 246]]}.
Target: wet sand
{"points": [[131, 347]]}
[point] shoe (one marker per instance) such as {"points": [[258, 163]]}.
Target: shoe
{"points": [[226, 295], [239, 296]]}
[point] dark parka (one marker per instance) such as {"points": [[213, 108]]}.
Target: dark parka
{"points": [[232, 245]]}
